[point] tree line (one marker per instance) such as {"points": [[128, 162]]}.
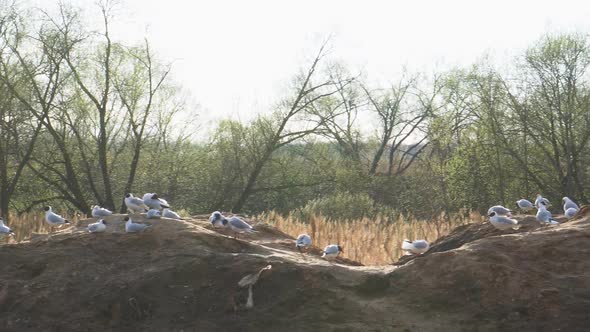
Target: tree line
{"points": [[85, 119]]}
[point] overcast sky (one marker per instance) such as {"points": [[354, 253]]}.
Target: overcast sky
{"points": [[235, 57]]}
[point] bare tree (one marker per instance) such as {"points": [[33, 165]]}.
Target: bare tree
{"points": [[279, 130]]}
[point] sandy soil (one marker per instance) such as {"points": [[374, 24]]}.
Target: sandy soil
{"points": [[183, 276]]}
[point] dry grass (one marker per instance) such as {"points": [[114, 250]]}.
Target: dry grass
{"points": [[27, 224], [369, 241]]}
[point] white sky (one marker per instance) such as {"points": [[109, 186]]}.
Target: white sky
{"points": [[235, 57]]}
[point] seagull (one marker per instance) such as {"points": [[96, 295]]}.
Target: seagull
{"points": [[5, 229], [500, 210], [153, 214], [416, 247], [154, 202], [97, 212], [331, 251], [570, 213], [97, 227], [135, 204], [53, 218], [540, 199], [216, 219], [544, 216], [167, 213], [524, 205], [303, 241], [503, 222], [237, 225], [568, 203], [131, 227]]}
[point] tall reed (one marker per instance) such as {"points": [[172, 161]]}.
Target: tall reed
{"points": [[369, 241]]}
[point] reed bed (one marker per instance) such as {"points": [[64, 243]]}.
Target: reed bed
{"points": [[369, 241], [24, 225]]}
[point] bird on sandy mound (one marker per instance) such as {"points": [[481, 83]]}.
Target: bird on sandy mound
{"points": [[416, 247], [132, 227], [98, 212], [53, 218], [303, 241], [167, 213], [544, 216], [237, 225], [135, 204], [524, 205], [500, 210], [540, 199], [154, 202], [97, 227], [503, 222], [5, 229], [153, 214], [332, 251]]}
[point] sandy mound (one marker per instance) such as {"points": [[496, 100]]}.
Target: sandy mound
{"points": [[183, 276]]}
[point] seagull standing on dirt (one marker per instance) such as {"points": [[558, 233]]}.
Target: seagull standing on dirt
{"points": [[154, 202], [5, 229], [503, 222], [331, 251], [216, 219], [153, 214], [52, 218], [544, 216], [500, 210], [167, 213], [540, 199], [132, 227], [303, 241], [98, 212], [135, 204], [568, 204], [524, 205], [97, 227], [416, 247], [237, 225], [570, 213]]}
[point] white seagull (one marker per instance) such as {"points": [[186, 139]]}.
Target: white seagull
{"points": [[503, 222], [167, 213], [331, 251], [524, 205], [132, 227], [135, 204], [568, 203], [98, 212], [237, 225], [216, 219], [416, 247], [500, 210], [544, 216], [570, 213], [52, 218], [153, 214], [303, 241], [97, 227], [5, 229], [540, 199], [154, 202]]}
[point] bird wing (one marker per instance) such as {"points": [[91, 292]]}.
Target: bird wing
{"points": [[239, 223], [54, 218], [133, 227], [420, 244]]}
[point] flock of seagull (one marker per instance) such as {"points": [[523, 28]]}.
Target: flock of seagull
{"points": [[155, 208]]}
